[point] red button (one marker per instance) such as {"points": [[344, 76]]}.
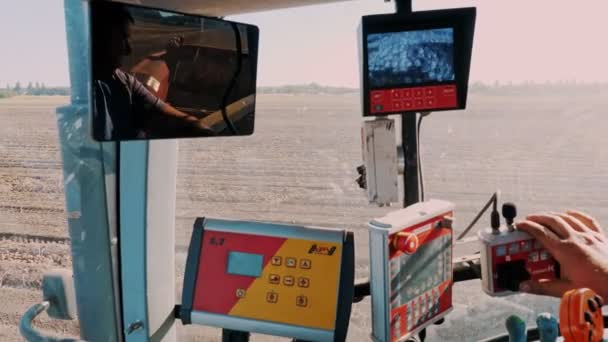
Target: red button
{"points": [[377, 95], [418, 93], [406, 242], [419, 103], [396, 94], [407, 93], [429, 91], [397, 105], [448, 90], [430, 102], [407, 104]]}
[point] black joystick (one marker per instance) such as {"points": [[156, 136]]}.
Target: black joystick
{"points": [[509, 211]]}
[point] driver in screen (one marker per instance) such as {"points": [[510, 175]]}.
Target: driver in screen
{"points": [[578, 243], [124, 108]]}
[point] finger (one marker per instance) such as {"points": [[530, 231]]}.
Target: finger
{"points": [[541, 233], [575, 223], [587, 220], [553, 288], [553, 222]]}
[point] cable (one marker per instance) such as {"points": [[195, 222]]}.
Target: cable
{"points": [[239, 61], [420, 176], [495, 216]]}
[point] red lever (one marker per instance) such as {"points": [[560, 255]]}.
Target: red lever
{"points": [[406, 242]]}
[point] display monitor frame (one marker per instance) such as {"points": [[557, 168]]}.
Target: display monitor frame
{"points": [[461, 21]]}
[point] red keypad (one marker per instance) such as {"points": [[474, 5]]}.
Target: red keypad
{"points": [[413, 99]]}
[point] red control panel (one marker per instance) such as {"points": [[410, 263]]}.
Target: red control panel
{"points": [[535, 259], [413, 99]]}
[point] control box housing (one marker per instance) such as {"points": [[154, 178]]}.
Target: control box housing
{"points": [[274, 279], [411, 269], [511, 257]]}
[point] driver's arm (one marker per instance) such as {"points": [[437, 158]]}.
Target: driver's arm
{"points": [[164, 119]]}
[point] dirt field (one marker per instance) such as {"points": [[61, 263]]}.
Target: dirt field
{"points": [[544, 152]]}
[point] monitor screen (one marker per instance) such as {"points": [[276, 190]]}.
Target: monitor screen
{"points": [[245, 264], [411, 57]]}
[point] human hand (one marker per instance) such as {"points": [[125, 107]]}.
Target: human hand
{"points": [[578, 243], [202, 129]]}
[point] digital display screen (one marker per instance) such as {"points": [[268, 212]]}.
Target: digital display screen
{"points": [[413, 275], [245, 264], [410, 57]]}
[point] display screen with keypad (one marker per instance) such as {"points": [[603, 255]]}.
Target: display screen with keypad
{"points": [[274, 279], [268, 278], [416, 61]]}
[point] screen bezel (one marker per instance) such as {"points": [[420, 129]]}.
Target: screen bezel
{"points": [[253, 39], [461, 20]]}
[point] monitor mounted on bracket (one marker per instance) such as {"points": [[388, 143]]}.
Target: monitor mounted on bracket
{"points": [[415, 62]]}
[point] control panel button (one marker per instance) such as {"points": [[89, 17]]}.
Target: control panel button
{"points": [[240, 293], [406, 242], [274, 279], [288, 281], [303, 282], [302, 301], [533, 257], [430, 91], [418, 103], [544, 255], [377, 95], [276, 261], [513, 248], [397, 105], [407, 93], [272, 297], [291, 262], [407, 104], [418, 92], [599, 300], [305, 264], [396, 94]]}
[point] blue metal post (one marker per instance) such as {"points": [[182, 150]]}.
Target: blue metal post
{"points": [[88, 170]]}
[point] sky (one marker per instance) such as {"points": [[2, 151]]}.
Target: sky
{"points": [[516, 40]]}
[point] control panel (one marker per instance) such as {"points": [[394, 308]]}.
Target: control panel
{"points": [[273, 279], [413, 99], [411, 269], [510, 257]]}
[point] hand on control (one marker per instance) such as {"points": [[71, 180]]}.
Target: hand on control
{"points": [[578, 243]]}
